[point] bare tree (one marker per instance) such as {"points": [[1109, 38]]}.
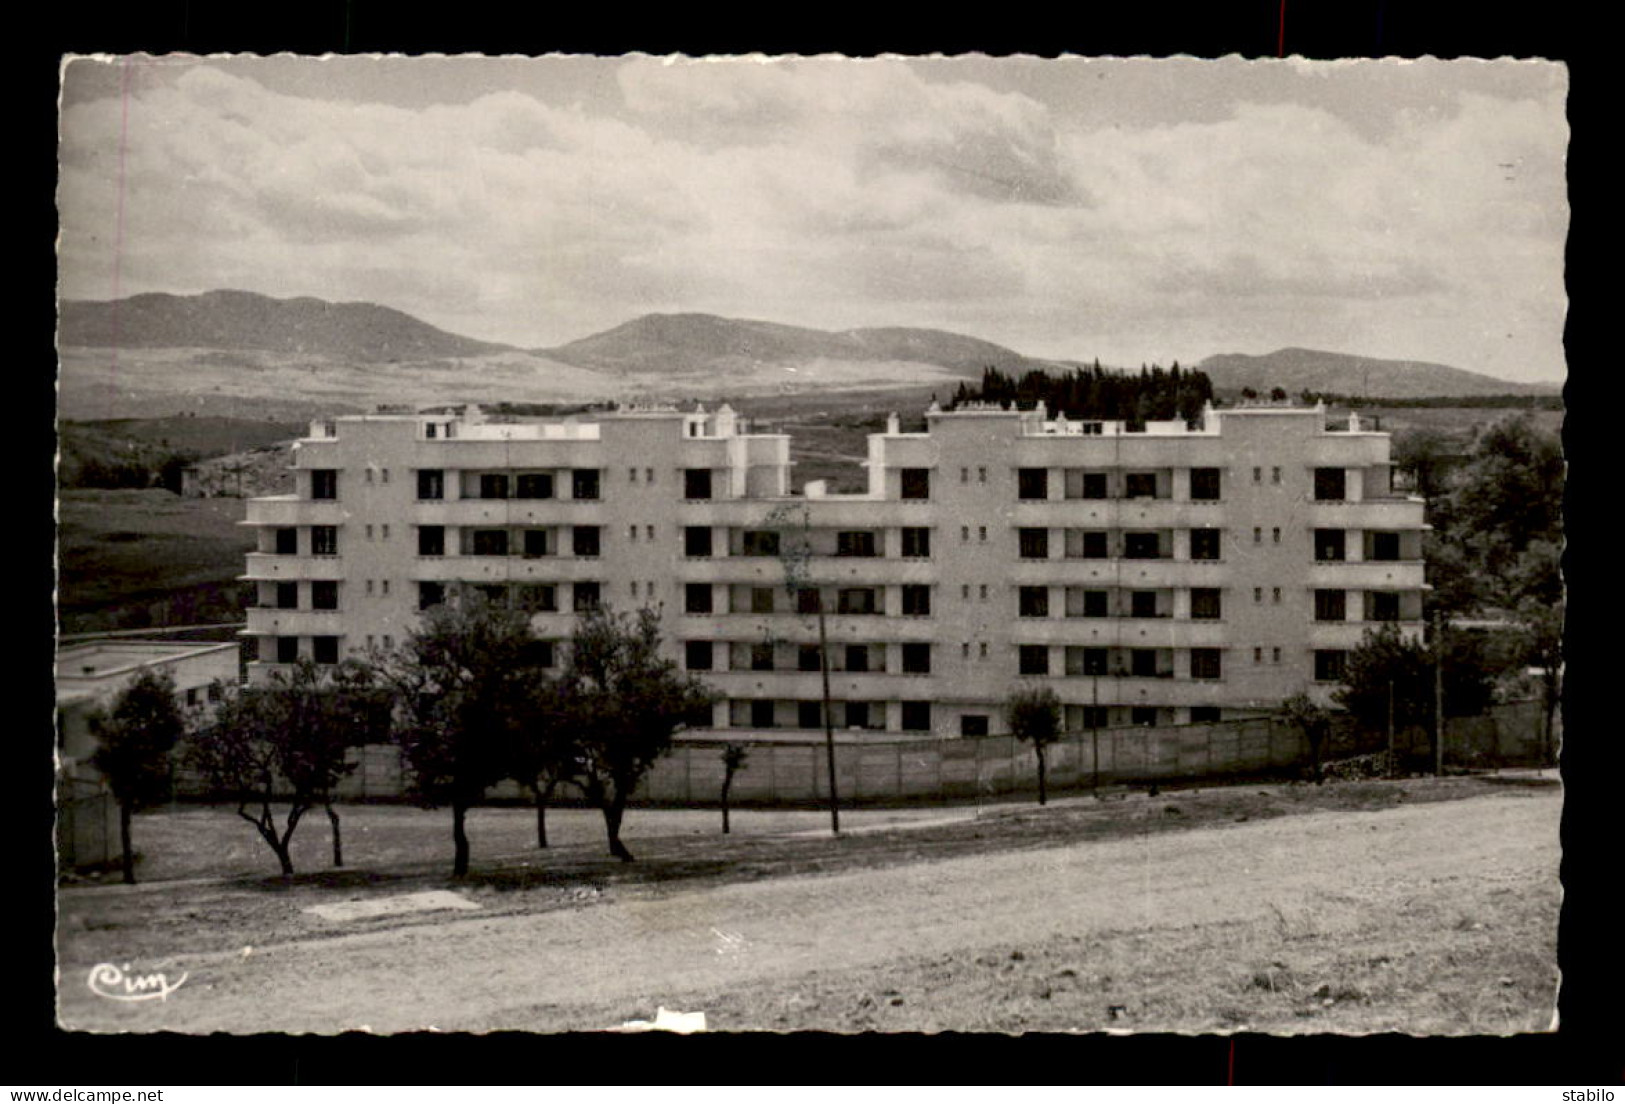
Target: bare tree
{"points": [[734, 757]]}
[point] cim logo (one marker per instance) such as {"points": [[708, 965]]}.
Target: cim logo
{"points": [[117, 983]]}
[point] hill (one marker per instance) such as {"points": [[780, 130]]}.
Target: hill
{"points": [[1298, 370], [727, 348], [242, 321]]}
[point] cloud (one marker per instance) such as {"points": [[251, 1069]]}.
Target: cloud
{"points": [[834, 193]]}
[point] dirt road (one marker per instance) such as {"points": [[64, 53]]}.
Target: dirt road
{"points": [[1321, 877]]}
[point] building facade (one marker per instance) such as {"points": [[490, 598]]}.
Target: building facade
{"points": [[1163, 576], [90, 676]]}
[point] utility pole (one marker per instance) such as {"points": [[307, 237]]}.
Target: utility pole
{"points": [[1094, 732], [1391, 766], [1438, 694]]}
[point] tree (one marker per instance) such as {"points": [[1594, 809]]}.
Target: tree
{"points": [[1301, 712], [734, 757], [1034, 716], [286, 742], [1425, 455], [133, 743], [1388, 662], [464, 682], [620, 702], [541, 754]]}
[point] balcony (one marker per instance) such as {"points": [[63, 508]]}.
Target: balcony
{"points": [[286, 510], [271, 565], [1367, 574]]}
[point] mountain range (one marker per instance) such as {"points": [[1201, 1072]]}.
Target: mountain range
{"points": [[244, 346]]}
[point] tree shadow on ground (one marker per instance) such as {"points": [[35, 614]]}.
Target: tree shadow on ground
{"points": [[320, 879]]}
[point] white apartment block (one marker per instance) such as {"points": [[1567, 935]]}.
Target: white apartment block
{"points": [[1164, 576]]}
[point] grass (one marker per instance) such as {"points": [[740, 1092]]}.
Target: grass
{"points": [[125, 549]]}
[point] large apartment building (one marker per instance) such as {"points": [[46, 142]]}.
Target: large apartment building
{"points": [[1166, 575]]}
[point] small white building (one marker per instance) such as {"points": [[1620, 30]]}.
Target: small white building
{"points": [[91, 675]]}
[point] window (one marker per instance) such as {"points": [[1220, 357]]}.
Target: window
{"points": [[1205, 663], [981, 475], [697, 541], [1141, 546], [1204, 714], [537, 597], [916, 483], [1204, 544], [1089, 716], [857, 657], [1140, 485], [632, 531], [1033, 601], [386, 588], [1143, 715], [648, 475], [1034, 659], [1329, 663], [809, 714], [287, 542], [1382, 605], [369, 588], [697, 598], [534, 485], [964, 475], [431, 484], [1258, 535], [324, 649], [1384, 546], [490, 542], [1205, 484], [761, 542], [1085, 603], [584, 597], [1258, 475], [1032, 484], [536, 543], [1330, 484], [1034, 543], [1275, 475], [809, 600], [431, 594], [761, 657], [584, 483], [494, 485], [1258, 594], [761, 714], [287, 596], [916, 600], [494, 594], [631, 475], [1086, 544], [324, 483], [542, 652], [916, 543], [214, 691], [916, 659], [1142, 603], [856, 600], [855, 542], [287, 649], [1275, 595], [1142, 662], [697, 483], [369, 532], [1258, 655], [809, 658], [1330, 605], [324, 540], [1085, 484], [916, 716], [973, 724], [324, 594], [1275, 535], [1275, 655], [857, 714], [1206, 604], [761, 599], [981, 532], [584, 540], [1329, 544]]}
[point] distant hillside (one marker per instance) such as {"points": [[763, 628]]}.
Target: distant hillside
{"points": [[240, 320], [1298, 370], [708, 345]]}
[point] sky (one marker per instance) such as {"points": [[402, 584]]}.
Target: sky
{"points": [[1130, 210]]}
